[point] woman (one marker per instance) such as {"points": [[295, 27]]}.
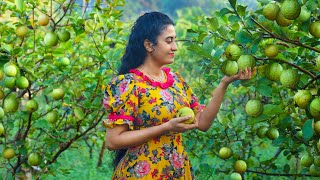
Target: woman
{"points": [[142, 102]]}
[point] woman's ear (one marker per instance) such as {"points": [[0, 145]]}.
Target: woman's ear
{"points": [[148, 45]]}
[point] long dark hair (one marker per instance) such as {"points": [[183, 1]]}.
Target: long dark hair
{"points": [[148, 26]]}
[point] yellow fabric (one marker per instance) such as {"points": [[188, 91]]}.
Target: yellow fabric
{"points": [[132, 95]]}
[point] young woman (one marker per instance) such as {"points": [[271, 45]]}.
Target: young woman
{"points": [[142, 102]]}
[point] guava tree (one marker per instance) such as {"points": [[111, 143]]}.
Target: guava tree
{"points": [[269, 125], [54, 58]]}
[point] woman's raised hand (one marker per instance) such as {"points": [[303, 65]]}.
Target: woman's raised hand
{"points": [[242, 75]]}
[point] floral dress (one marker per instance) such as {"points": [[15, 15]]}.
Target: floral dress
{"points": [[140, 102]]}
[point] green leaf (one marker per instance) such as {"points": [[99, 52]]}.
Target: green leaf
{"points": [[225, 11], [233, 3], [241, 10], [213, 23], [264, 90], [79, 113], [307, 130], [271, 109], [243, 37]]}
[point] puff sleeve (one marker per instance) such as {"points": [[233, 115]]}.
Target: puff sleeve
{"points": [[192, 98], [120, 101]]}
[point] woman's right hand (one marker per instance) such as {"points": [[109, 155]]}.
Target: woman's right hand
{"points": [[177, 125]]}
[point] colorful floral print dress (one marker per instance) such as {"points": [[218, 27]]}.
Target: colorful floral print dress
{"points": [[140, 102]]}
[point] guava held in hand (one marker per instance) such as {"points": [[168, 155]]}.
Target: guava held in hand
{"points": [[229, 68], [186, 111]]}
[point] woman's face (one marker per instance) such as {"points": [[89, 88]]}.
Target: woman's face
{"points": [[164, 51]]}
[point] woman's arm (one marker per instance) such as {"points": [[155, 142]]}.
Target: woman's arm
{"points": [[206, 117], [121, 137]]}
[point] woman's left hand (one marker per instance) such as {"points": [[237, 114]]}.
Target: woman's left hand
{"points": [[242, 75]]}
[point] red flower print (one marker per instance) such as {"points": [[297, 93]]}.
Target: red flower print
{"points": [[154, 173], [123, 87], [166, 95], [142, 168], [152, 100], [176, 159], [178, 140]]}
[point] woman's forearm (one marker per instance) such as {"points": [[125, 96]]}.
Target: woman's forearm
{"points": [[207, 116], [126, 139]]}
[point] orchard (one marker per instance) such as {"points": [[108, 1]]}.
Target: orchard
{"points": [[57, 56]]}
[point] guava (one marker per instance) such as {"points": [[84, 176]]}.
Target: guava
{"points": [[225, 153], [302, 98], [233, 52], [51, 39], [246, 61], [57, 94], [273, 133], [315, 108], [271, 50], [34, 159], [289, 78], [32, 105], [254, 108], [8, 153], [240, 166], [306, 160], [273, 71], [271, 10], [22, 82], [43, 20], [235, 176], [290, 9], [229, 68], [52, 117], [186, 111], [314, 29]]}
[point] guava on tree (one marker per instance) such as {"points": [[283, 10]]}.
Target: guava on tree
{"points": [[314, 29], [240, 166], [314, 170], [229, 68], [271, 10], [22, 82], [289, 78], [21, 31], [316, 127], [64, 35], [271, 50], [282, 21], [305, 14], [1, 113], [262, 131], [9, 82], [10, 71], [43, 20], [10, 104], [306, 160], [225, 153], [52, 116], [32, 105], [273, 133], [290, 9], [51, 39], [233, 52], [302, 98], [57, 94], [235, 176], [246, 61], [1, 129], [8, 153], [1, 94], [186, 111], [34, 159], [273, 71], [315, 108], [254, 108]]}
